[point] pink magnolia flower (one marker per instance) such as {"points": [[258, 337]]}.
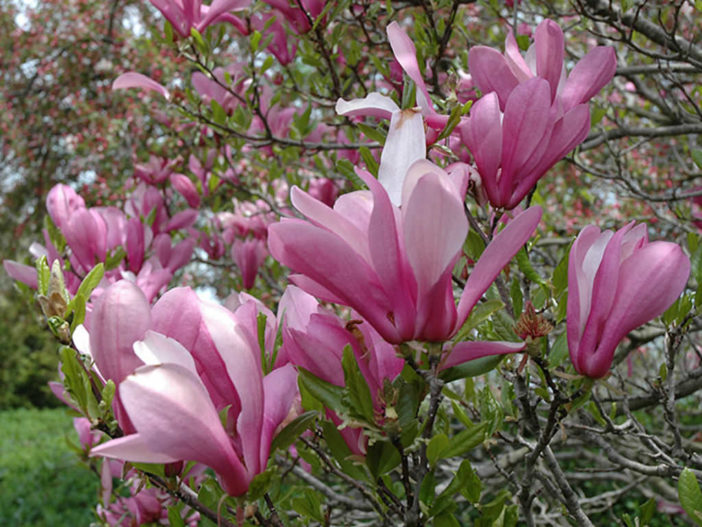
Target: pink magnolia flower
{"points": [[187, 14], [494, 72], [617, 281], [61, 202], [531, 114], [314, 338], [249, 255], [512, 150], [174, 404], [393, 265]]}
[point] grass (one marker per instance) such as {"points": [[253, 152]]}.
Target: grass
{"points": [[42, 481]]}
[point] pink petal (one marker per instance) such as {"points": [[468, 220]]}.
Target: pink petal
{"points": [[174, 415], [280, 390], [406, 54], [405, 144], [550, 49], [373, 104], [491, 73], [589, 75], [218, 8], [434, 226], [482, 134], [526, 121], [243, 368], [469, 350], [131, 448], [133, 79], [121, 316], [497, 255], [22, 273]]}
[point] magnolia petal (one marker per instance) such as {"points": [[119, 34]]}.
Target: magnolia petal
{"points": [[405, 144], [471, 350], [406, 54], [218, 8], [434, 227], [121, 316], [497, 255], [133, 79], [491, 72], [22, 273], [242, 367], [373, 104], [131, 448], [589, 75], [280, 390], [550, 49]]}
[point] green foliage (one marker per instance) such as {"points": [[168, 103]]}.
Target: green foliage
{"points": [[42, 483]]}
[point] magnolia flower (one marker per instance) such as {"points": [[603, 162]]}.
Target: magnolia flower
{"points": [[494, 72], [173, 401], [531, 114], [617, 281], [187, 14], [393, 265], [514, 148]]}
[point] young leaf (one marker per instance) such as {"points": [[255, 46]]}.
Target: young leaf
{"points": [[690, 495], [293, 430]]}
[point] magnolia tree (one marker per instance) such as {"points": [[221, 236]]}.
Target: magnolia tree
{"points": [[350, 287]]}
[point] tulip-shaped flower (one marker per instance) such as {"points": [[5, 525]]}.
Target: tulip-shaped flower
{"points": [[617, 281], [173, 400], [494, 72], [393, 265], [531, 114], [512, 150]]}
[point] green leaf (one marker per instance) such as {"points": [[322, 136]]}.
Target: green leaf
{"points": [[261, 320], [174, 517], [646, 512], [515, 293], [436, 446], [465, 440], [219, 116], [293, 430], [690, 495], [697, 157], [359, 394], [115, 258], [474, 245], [452, 122], [326, 393], [381, 458], [43, 275], [261, 483], [467, 482], [91, 281], [560, 275], [478, 315], [490, 410], [369, 160], [559, 351], [372, 132], [309, 505], [526, 267], [472, 368]]}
